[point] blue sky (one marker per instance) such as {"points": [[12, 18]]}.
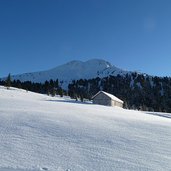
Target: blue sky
{"points": [[41, 34]]}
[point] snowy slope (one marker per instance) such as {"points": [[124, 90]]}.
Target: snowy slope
{"points": [[73, 70], [38, 132]]}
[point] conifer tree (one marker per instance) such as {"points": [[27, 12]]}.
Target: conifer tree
{"points": [[60, 91], [53, 92], [8, 81]]}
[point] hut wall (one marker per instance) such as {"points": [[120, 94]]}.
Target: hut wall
{"points": [[116, 103], [102, 99]]}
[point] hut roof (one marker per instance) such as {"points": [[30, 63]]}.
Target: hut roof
{"points": [[109, 95]]}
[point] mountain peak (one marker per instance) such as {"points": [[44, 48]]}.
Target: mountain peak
{"points": [[90, 62], [99, 62], [73, 70]]}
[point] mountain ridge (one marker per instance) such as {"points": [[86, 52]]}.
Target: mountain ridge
{"points": [[73, 70]]}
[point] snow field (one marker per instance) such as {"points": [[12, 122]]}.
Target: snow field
{"points": [[38, 132]]}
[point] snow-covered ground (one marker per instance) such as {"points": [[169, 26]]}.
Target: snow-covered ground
{"points": [[38, 132]]}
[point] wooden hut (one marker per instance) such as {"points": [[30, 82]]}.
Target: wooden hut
{"points": [[107, 99]]}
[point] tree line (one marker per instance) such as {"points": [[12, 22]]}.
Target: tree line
{"points": [[138, 91], [50, 87]]}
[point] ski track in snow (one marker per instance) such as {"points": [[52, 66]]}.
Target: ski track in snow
{"points": [[38, 132]]}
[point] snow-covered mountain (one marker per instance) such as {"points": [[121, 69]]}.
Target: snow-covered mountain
{"points": [[73, 70], [43, 133]]}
